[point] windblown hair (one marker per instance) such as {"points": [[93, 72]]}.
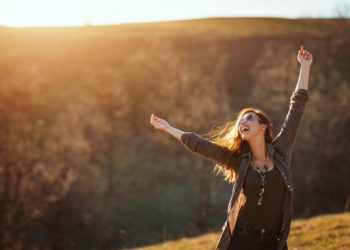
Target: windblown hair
{"points": [[227, 135]]}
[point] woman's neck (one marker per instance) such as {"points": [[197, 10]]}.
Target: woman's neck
{"points": [[257, 147]]}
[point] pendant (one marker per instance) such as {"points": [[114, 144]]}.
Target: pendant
{"points": [[262, 187]]}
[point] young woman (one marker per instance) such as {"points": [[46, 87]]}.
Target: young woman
{"points": [[260, 208]]}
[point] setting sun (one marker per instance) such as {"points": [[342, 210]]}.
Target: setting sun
{"points": [[45, 13], [81, 12], [17, 13]]}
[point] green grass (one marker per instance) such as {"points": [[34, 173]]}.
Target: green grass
{"points": [[331, 231]]}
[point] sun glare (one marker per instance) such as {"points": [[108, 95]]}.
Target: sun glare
{"points": [[19, 13], [26, 13], [44, 13]]}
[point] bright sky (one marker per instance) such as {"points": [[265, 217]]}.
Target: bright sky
{"points": [[17, 13]]}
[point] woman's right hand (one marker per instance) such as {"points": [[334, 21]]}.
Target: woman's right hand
{"points": [[159, 123]]}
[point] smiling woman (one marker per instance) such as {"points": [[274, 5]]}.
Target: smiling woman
{"points": [[260, 208]]}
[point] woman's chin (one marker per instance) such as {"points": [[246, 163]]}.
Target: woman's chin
{"points": [[245, 137]]}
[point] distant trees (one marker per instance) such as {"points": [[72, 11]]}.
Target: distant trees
{"points": [[189, 92], [80, 166], [342, 10], [32, 176]]}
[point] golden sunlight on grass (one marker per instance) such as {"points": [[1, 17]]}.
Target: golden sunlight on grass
{"points": [[331, 232]]}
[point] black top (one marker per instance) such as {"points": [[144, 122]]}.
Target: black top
{"points": [[269, 213]]}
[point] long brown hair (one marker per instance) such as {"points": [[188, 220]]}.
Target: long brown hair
{"points": [[227, 135]]}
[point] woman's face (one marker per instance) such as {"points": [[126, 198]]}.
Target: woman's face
{"points": [[249, 126]]}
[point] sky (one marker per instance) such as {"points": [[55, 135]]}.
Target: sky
{"points": [[24, 13]]}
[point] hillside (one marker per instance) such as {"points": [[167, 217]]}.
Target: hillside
{"points": [[82, 168], [324, 232]]}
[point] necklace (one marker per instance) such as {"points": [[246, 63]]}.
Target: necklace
{"points": [[262, 175]]}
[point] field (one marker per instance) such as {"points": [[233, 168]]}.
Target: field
{"points": [[81, 167], [331, 232]]}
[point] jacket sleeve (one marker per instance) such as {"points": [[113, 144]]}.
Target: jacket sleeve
{"points": [[206, 148], [291, 124]]}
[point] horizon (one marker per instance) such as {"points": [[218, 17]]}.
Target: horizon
{"points": [[40, 13], [165, 21]]}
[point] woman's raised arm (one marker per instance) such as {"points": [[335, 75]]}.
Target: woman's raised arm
{"points": [[194, 142], [300, 96], [305, 60]]}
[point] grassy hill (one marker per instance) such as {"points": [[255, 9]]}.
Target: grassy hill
{"points": [[82, 168], [331, 232]]}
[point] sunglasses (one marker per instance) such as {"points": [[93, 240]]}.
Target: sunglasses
{"points": [[248, 117]]}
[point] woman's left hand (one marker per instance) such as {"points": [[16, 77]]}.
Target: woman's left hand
{"points": [[304, 57]]}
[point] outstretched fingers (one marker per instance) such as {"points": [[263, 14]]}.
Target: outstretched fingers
{"points": [[152, 119], [307, 55], [304, 53], [155, 121]]}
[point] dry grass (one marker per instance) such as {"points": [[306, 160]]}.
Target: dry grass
{"points": [[331, 232]]}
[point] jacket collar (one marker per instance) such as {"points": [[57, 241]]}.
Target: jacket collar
{"points": [[270, 150]]}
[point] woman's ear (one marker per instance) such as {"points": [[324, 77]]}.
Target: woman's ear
{"points": [[263, 127]]}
